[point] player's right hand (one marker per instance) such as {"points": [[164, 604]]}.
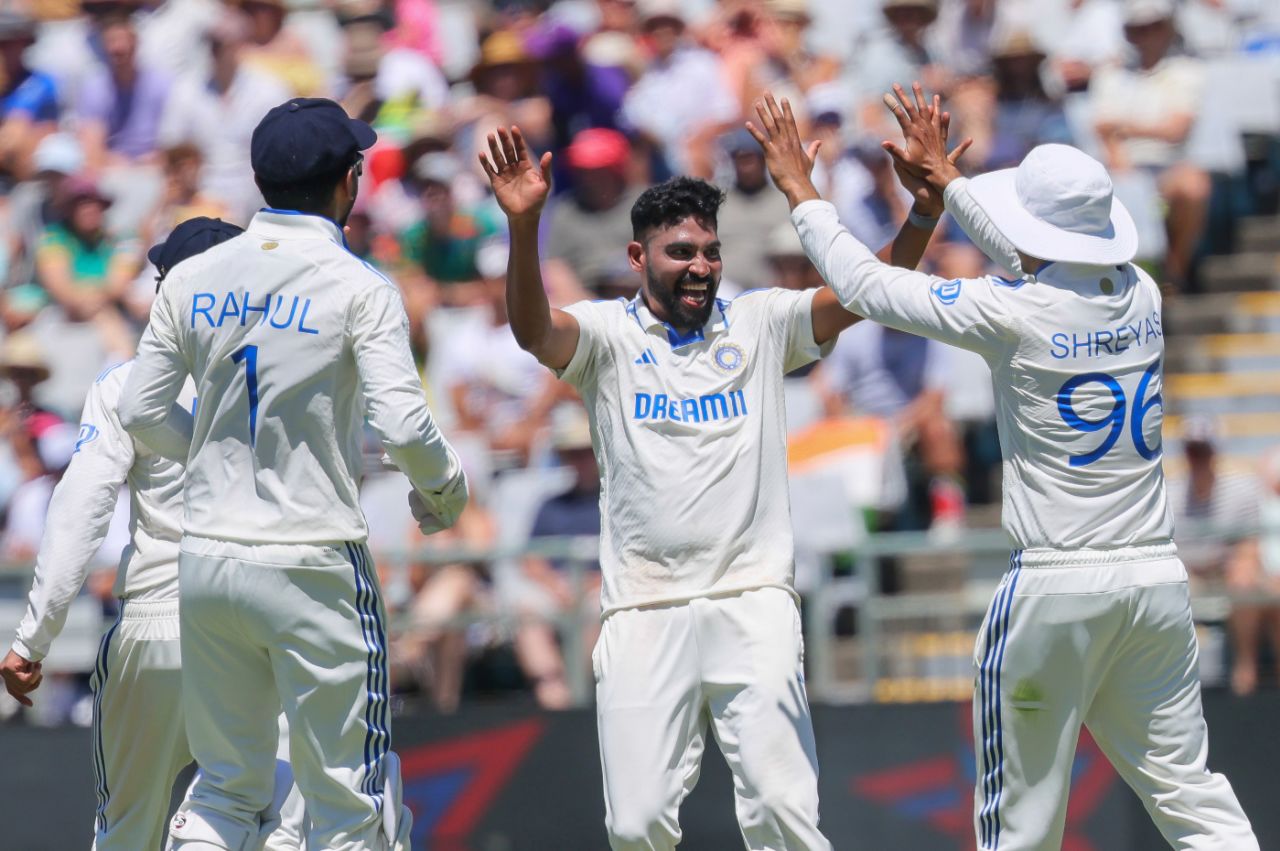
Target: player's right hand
{"points": [[436, 512], [520, 187], [21, 676]]}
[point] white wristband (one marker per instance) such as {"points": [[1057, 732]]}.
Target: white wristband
{"points": [[922, 222]]}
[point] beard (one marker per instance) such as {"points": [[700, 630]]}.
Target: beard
{"points": [[686, 304]]}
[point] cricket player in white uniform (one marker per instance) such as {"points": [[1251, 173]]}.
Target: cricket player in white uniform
{"points": [[291, 341], [685, 397], [1092, 622], [139, 741]]}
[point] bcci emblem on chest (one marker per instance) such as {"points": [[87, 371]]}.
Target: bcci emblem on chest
{"points": [[729, 357]]}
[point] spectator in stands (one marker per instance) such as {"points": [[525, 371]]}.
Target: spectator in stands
{"points": [[1022, 115], [901, 51], [83, 269], [750, 213], [963, 34], [551, 592], [681, 103], [384, 70], [216, 110], [788, 265], [183, 199], [280, 53], [506, 91], [763, 47], [34, 204], [1145, 113], [121, 103], [582, 94], [498, 391], [442, 246], [1215, 516], [28, 99], [901, 378], [1090, 39], [588, 229], [431, 651], [24, 524], [23, 368], [171, 33]]}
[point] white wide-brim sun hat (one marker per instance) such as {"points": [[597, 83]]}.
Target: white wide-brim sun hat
{"points": [[1058, 205]]}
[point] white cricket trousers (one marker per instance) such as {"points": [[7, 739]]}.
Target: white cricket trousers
{"points": [[139, 742], [1102, 638], [663, 672], [298, 628]]}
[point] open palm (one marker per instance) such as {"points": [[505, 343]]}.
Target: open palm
{"points": [[520, 187]]}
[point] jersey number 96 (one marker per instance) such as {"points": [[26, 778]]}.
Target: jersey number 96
{"points": [[1116, 418]]}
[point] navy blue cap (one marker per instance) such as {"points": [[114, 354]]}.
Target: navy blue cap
{"points": [[189, 239], [304, 138]]}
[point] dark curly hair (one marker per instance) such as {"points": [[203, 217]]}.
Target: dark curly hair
{"points": [[675, 199]]}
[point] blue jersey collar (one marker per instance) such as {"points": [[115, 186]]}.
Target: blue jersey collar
{"points": [[718, 321]]}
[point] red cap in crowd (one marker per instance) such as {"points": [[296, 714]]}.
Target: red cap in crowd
{"points": [[598, 147]]}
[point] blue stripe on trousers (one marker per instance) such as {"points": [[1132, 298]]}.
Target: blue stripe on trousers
{"points": [[99, 758], [993, 729], [382, 681], [365, 600], [1004, 642], [984, 707]]}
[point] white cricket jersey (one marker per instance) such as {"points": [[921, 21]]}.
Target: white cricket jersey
{"points": [[1075, 355], [690, 434], [79, 515], [290, 339]]}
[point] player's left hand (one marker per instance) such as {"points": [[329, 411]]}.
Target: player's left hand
{"points": [[924, 136], [927, 200], [21, 677], [788, 159]]}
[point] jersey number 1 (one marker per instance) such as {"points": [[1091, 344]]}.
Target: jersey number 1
{"points": [[1115, 419], [249, 355]]}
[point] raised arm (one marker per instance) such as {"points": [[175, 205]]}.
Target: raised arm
{"points": [[925, 159], [968, 316], [521, 189], [790, 163]]}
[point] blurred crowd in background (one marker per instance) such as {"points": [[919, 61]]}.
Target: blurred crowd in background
{"points": [[119, 119]]}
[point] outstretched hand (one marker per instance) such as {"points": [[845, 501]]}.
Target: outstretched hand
{"points": [[789, 160], [520, 187], [924, 130]]}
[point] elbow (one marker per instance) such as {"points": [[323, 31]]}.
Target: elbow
{"points": [[135, 418], [531, 340]]}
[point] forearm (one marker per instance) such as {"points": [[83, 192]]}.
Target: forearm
{"points": [[413, 440], [974, 221], [909, 245], [798, 189], [863, 284], [171, 439], [528, 310], [75, 527]]}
